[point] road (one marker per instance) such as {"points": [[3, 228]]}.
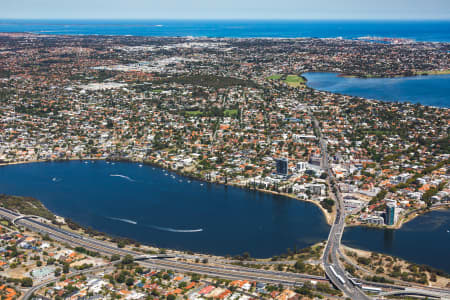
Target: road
{"points": [[334, 270], [106, 248], [31, 291]]}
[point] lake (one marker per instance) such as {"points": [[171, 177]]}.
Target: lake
{"points": [[431, 90], [424, 240], [160, 208]]}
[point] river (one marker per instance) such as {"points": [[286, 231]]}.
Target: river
{"points": [[431, 90], [157, 207], [424, 240], [160, 208]]}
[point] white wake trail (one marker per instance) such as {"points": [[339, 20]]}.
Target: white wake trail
{"points": [[175, 230], [123, 220], [122, 176]]}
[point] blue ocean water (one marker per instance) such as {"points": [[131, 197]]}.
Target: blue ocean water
{"points": [[431, 90], [437, 31], [160, 208]]}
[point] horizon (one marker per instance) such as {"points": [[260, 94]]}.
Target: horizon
{"points": [[232, 19], [232, 9]]}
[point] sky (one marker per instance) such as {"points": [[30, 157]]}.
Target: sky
{"points": [[225, 9]]}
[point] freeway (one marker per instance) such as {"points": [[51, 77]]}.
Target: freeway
{"points": [[334, 270], [106, 248]]}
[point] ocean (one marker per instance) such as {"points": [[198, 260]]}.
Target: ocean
{"points": [[433, 31]]}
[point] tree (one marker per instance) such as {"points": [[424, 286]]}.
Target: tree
{"points": [[130, 281], [182, 285], [128, 259], [115, 257], [27, 282], [66, 268], [195, 277], [121, 277], [300, 266], [171, 297]]}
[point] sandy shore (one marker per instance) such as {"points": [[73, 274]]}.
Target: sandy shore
{"points": [[329, 217]]}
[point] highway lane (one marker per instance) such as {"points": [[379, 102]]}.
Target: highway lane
{"points": [[224, 271], [333, 269], [216, 272], [330, 258]]}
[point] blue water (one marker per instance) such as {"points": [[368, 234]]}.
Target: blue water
{"points": [[437, 31], [144, 204], [428, 90], [424, 240]]}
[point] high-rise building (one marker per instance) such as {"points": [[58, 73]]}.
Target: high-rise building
{"points": [[301, 166], [390, 213], [282, 166]]}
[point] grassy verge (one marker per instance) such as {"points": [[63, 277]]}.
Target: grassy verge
{"points": [[291, 80], [294, 80]]}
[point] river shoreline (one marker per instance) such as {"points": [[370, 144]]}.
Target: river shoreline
{"points": [[416, 74], [176, 249], [328, 217], [414, 89], [403, 221]]}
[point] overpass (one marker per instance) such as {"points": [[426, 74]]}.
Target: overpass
{"points": [[416, 292], [333, 269], [161, 261], [21, 217], [156, 256]]}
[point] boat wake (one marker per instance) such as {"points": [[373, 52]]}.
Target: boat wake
{"points": [[123, 176], [175, 230], [123, 220]]}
